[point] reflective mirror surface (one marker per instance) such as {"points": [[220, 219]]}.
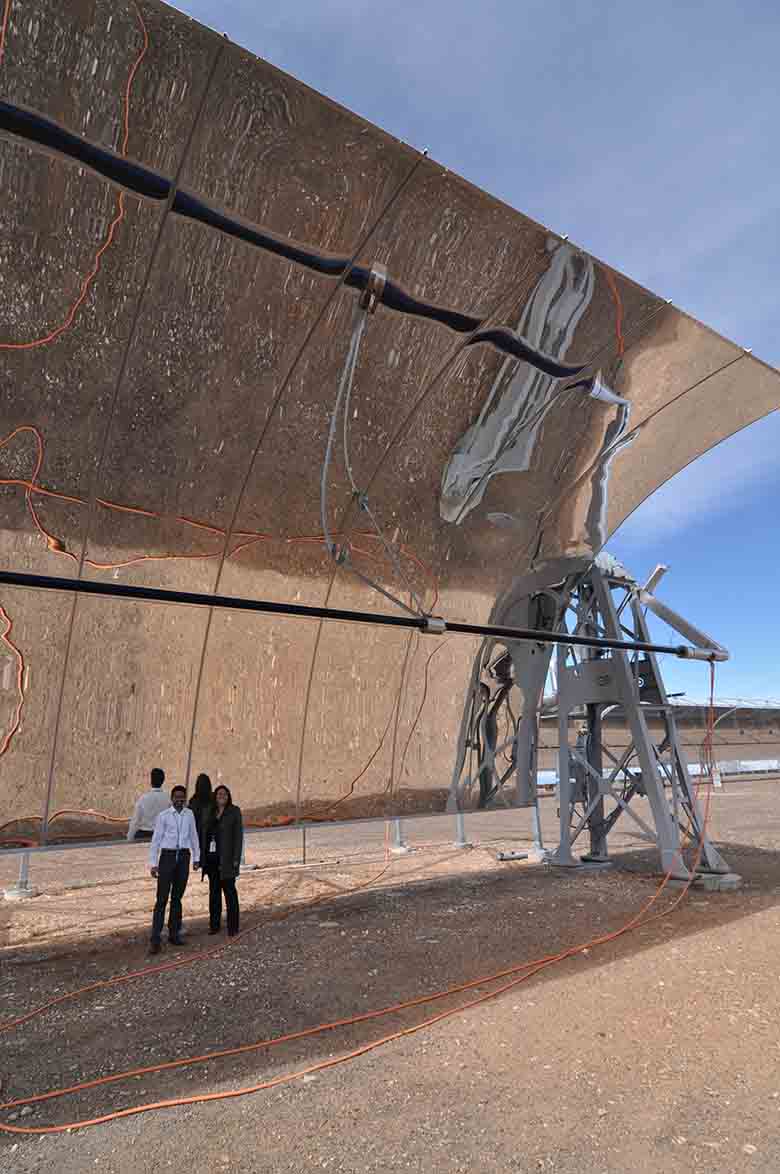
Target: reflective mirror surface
{"points": [[187, 235]]}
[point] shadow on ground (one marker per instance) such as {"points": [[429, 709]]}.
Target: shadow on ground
{"points": [[350, 954]]}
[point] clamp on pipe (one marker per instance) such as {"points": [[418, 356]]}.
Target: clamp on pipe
{"points": [[375, 287], [434, 625], [685, 652]]}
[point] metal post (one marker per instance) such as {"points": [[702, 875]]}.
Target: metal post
{"points": [[303, 844], [397, 843], [244, 866], [460, 831], [23, 888], [564, 854], [710, 859]]}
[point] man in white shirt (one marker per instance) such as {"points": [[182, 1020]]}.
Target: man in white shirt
{"points": [[148, 808], [174, 844]]}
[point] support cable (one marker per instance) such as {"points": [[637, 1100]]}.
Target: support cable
{"points": [[361, 497], [342, 555]]}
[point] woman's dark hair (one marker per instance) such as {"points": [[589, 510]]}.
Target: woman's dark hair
{"points": [[202, 794], [222, 787]]}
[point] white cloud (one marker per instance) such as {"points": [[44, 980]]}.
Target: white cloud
{"points": [[723, 478]]}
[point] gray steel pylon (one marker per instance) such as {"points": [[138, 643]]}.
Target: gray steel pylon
{"points": [[593, 795]]}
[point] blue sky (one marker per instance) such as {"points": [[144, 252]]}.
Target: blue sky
{"points": [[648, 134]]}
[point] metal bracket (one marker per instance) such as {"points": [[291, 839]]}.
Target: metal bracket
{"points": [[434, 625], [533, 856], [375, 287], [686, 653]]}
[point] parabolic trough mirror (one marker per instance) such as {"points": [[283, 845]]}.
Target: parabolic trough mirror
{"points": [[251, 345]]}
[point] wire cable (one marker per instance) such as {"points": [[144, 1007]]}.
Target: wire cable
{"points": [[341, 556], [364, 503]]}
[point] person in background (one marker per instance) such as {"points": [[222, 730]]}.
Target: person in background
{"points": [[201, 802], [221, 844], [148, 808], [174, 845]]}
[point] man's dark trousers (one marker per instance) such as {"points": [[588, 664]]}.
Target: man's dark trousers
{"points": [[173, 871]]}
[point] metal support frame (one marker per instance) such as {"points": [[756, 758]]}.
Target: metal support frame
{"points": [[604, 663], [595, 793], [244, 866], [598, 662], [486, 762]]}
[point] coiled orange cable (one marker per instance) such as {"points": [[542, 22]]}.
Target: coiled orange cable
{"points": [[520, 972], [527, 969]]}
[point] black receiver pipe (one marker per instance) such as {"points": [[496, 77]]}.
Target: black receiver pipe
{"points": [[56, 140], [434, 625]]}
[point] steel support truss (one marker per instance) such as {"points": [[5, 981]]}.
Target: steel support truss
{"points": [[498, 748]]}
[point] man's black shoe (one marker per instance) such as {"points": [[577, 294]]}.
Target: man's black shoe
{"points": [[176, 941], [154, 947], [212, 930]]}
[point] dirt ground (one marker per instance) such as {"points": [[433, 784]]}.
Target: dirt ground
{"points": [[659, 1050]]}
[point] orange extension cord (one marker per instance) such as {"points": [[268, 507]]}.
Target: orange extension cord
{"points": [[520, 973], [525, 970]]}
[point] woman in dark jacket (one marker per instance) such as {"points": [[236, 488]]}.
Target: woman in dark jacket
{"points": [[221, 844], [201, 802]]}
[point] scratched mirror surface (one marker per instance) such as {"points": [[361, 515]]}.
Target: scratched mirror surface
{"points": [[252, 345]]}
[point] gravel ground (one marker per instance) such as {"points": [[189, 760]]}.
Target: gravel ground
{"points": [[657, 1050]]}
